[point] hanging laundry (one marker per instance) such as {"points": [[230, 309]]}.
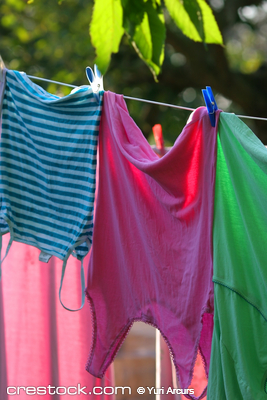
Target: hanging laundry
{"points": [[43, 346], [238, 367], [48, 165], [165, 370], [151, 258]]}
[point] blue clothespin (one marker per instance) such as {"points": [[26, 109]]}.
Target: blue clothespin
{"points": [[96, 81], [210, 103]]}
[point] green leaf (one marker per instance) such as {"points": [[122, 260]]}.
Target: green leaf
{"points": [[211, 29], [182, 19], [195, 13], [195, 19], [133, 14], [149, 38], [142, 39], [158, 33], [106, 30]]}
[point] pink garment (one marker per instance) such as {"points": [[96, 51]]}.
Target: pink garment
{"points": [[41, 343], [151, 257]]}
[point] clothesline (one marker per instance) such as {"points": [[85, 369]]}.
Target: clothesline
{"points": [[143, 100]]}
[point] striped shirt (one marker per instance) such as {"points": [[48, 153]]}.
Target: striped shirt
{"points": [[48, 167]]}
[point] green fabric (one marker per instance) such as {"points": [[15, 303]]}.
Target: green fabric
{"points": [[239, 349], [239, 352]]}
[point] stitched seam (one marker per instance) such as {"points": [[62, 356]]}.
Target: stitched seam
{"points": [[241, 295]]}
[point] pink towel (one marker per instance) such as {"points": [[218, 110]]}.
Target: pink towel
{"points": [[41, 343], [151, 258]]}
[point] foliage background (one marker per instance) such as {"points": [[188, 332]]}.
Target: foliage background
{"points": [[52, 40]]}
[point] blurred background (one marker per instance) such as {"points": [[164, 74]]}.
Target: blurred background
{"points": [[51, 39]]}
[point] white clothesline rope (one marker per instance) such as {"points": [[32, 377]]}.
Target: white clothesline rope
{"points": [[48, 80], [142, 100]]}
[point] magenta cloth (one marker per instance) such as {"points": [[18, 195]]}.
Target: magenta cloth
{"points": [[41, 343], [151, 257]]}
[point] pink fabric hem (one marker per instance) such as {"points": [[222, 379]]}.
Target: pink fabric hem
{"points": [[122, 335]]}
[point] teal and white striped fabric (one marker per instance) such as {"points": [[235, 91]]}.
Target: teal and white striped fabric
{"points": [[48, 167]]}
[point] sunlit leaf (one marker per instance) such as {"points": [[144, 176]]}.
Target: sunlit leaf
{"points": [[149, 38], [142, 39], [194, 11], [211, 29], [195, 19], [157, 29], [182, 19], [106, 30]]}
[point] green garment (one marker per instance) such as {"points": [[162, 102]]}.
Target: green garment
{"points": [[238, 368]]}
